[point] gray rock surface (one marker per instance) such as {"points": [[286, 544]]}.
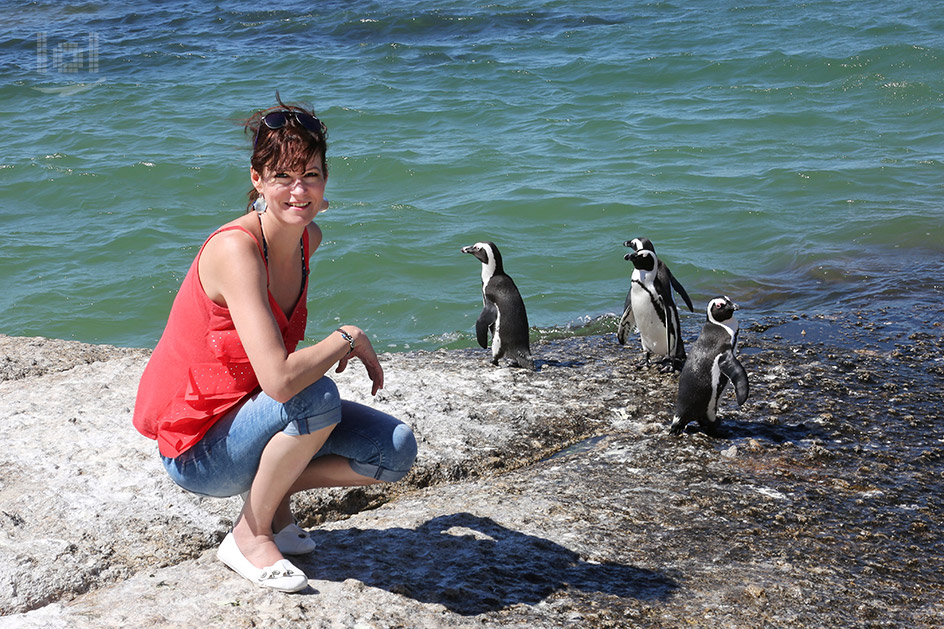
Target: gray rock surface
{"points": [[552, 498]]}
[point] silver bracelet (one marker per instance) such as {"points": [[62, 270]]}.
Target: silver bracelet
{"points": [[347, 337]]}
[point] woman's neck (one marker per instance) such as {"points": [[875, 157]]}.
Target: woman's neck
{"points": [[281, 239]]}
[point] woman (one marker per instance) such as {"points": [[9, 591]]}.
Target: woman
{"points": [[234, 407]]}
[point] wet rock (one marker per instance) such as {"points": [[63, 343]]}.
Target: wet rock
{"points": [[540, 499]]}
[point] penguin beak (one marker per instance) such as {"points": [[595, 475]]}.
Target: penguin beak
{"points": [[466, 250], [628, 256]]}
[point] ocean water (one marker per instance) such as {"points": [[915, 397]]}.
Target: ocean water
{"points": [[788, 154]]}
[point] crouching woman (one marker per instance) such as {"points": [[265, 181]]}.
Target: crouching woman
{"points": [[234, 406]]}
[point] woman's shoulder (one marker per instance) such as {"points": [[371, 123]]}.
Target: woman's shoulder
{"points": [[231, 256], [244, 222], [236, 235]]}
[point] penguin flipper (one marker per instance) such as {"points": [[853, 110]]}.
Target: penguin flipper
{"points": [[681, 291], [484, 323], [732, 368], [626, 325]]}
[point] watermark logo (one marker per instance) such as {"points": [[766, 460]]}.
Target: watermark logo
{"points": [[68, 58]]}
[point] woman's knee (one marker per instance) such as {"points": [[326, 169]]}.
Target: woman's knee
{"points": [[403, 452], [388, 460], [315, 407], [378, 445]]}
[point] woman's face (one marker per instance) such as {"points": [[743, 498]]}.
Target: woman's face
{"points": [[294, 195]]}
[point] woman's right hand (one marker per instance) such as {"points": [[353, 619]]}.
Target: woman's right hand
{"points": [[364, 352]]}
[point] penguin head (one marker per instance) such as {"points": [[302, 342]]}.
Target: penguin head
{"points": [[638, 244], [643, 259], [486, 253], [721, 309]]}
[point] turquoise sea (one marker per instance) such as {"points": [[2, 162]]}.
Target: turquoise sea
{"points": [[787, 154]]}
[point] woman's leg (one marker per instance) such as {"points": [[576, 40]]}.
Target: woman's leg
{"points": [[283, 460], [325, 471], [367, 447], [225, 461], [274, 450], [262, 446]]}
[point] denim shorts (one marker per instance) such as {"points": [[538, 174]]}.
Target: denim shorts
{"points": [[225, 461]]}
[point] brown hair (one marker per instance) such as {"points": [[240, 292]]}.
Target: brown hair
{"points": [[286, 148]]}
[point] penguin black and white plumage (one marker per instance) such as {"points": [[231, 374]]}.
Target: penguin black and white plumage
{"points": [[664, 273], [503, 313], [711, 363], [649, 308]]}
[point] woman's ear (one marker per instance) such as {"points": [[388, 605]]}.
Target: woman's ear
{"points": [[256, 179]]}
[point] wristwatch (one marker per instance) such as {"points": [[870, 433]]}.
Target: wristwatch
{"points": [[347, 337]]}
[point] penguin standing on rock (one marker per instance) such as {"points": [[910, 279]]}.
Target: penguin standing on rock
{"points": [[503, 310], [650, 309], [709, 367]]}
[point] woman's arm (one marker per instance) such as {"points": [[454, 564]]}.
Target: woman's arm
{"points": [[234, 276]]}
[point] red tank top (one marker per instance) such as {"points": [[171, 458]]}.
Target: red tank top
{"points": [[199, 369]]}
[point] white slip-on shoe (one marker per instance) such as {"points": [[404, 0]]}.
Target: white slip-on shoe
{"points": [[294, 540], [282, 575]]}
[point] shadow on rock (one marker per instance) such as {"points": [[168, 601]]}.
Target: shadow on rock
{"points": [[564, 364], [738, 429], [471, 565]]}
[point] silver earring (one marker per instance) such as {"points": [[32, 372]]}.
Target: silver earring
{"points": [[259, 205]]}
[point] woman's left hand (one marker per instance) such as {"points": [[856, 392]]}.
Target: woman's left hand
{"points": [[363, 351]]}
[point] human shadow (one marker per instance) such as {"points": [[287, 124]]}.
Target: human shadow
{"points": [[471, 565]]}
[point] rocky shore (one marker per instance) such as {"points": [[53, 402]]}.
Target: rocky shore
{"points": [[553, 498]]}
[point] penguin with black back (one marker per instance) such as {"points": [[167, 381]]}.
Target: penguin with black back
{"points": [[664, 273], [711, 363], [650, 309], [503, 313]]}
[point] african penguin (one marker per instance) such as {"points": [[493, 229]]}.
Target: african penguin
{"points": [[710, 365], [664, 272], [503, 310], [650, 309]]}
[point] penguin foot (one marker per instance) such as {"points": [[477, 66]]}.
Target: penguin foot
{"points": [[669, 365], [678, 425], [524, 360]]}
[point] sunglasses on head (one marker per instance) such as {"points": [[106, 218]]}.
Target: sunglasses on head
{"points": [[278, 119]]}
